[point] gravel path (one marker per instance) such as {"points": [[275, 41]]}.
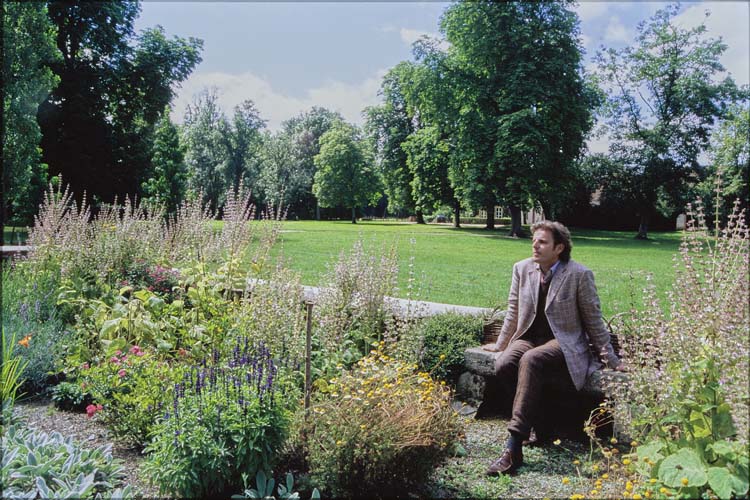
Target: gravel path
{"points": [[42, 415]]}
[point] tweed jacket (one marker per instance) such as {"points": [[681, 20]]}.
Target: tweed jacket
{"points": [[573, 312]]}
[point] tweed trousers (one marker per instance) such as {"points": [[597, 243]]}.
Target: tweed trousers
{"points": [[524, 367]]}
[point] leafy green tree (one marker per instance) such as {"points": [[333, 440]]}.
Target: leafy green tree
{"points": [[388, 126], [28, 50], [523, 106], [168, 180], [282, 180], [345, 176], [730, 162], [242, 139], [98, 123], [663, 102], [203, 133], [305, 131]]}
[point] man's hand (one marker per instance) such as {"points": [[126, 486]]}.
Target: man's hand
{"points": [[491, 347]]}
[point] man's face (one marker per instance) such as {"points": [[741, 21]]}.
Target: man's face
{"points": [[544, 251]]}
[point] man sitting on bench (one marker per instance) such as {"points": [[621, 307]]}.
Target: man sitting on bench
{"points": [[553, 314]]}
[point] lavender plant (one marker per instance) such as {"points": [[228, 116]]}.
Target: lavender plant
{"points": [[227, 419]]}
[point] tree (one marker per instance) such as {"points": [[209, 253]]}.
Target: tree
{"points": [[282, 180], [518, 129], [388, 126], [663, 102], [242, 139], [203, 134], [28, 50], [305, 131], [98, 124], [168, 180], [730, 162], [345, 176]]}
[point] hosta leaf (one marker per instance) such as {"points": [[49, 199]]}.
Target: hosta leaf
{"points": [[685, 464]]}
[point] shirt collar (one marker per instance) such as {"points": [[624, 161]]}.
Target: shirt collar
{"points": [[551, 269]]}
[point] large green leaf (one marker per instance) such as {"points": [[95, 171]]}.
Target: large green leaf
{"points": [[720, 480], [685, 464]]}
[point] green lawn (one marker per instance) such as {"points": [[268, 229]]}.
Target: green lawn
{"points": [[14, 235], [472, 266]]}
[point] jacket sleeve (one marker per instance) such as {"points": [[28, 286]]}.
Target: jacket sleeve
{"points": [[511, 316], [591, 316]]}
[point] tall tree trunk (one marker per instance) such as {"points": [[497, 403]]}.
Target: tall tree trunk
{"points": [[547, 209], [317, 210], [456, 213], [420, 217], [515, 222], [490, 215], [642, 228], [354, 215]]}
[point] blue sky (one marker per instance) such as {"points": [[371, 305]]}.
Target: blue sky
{"points": [[290, 56]]}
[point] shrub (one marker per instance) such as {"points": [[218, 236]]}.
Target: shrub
{"points": [[70, 396], [29, 314], [41, 465], [379, 426], [444, 339], [131, 387], [151, 277], [226, 420]]}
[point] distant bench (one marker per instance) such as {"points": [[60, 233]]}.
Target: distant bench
{"points": [[13, 251]]}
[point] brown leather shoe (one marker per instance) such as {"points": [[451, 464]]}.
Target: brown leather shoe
{"points": [[507, 463]]}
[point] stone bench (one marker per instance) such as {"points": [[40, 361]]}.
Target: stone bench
{"points": [[479, 366]]}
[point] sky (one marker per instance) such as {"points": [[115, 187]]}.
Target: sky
{"points": [[289, 56]]}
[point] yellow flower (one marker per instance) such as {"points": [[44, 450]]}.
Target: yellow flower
{"points": [[652, 480], [593, 493], [442, 357], [636, 496], [339, 442], [634, 443], [629, 486], [595, 467], [647, 494], [556, 442], [613, 440], [626, 461], [663, 490], [684, 481], [565, 480], [362, 426], [576, 462], [605, 476]]}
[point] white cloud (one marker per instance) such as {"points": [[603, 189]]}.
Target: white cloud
{"points": [[729, 20], [409, 36], [347, 99], [617, 32]]}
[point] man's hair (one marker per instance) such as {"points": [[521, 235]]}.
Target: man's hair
{"points": [[560, 236]]}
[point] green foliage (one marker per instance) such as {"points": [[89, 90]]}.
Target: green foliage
{"points": [[11, 369], [664, 102], [28, 51], [444, 338], [168, 180], [378, 427], [227, 419], [132, 387], [345, 176], [691, 450], [40, 465], [29, 314], [70, 396], [264, 489], [98, 123]]}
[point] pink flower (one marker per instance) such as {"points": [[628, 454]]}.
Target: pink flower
{"points": [[121, 373], [135, 349], [85, 366], [114, 360], [140, 353], [92, 409], [118, 352]]}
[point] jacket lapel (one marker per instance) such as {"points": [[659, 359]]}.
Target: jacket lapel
{"points": [[557, 281], [534, 284]]}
